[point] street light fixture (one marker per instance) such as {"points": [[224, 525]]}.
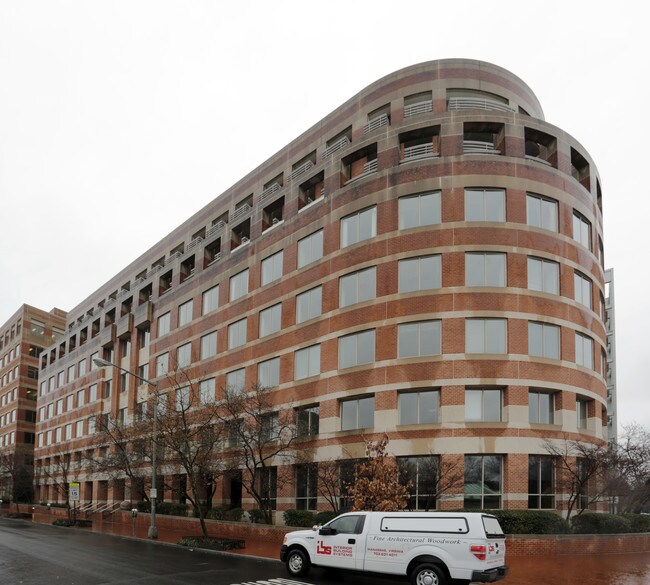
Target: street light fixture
{"points": [[153, 530]]}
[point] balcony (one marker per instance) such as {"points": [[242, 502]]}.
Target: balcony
{"points": [[476, 103], [418, 108], [143, 314], [336, 146], [300, 170], [376, 123], [419, 151], [241, 212], [108, 335], [124, 326], [479, 147], [268, 192], [194, 243], [215, 229]]}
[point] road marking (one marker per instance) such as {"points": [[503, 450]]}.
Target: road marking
{"points": [[278, 581]]}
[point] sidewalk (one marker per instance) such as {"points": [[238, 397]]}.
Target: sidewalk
{"points": [[255, 547]]}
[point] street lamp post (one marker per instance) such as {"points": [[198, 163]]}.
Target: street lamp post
{"points": [[153, 530]]}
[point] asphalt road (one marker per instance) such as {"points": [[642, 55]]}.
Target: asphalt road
{"points": [[38, 554]]}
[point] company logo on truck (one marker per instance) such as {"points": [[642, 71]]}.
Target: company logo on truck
{"points": [[321, 549]]}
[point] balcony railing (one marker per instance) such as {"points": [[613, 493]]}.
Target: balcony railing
{"points": [[194, 243], [472, 103], [375, 123], [419, 151], [270, 191], [479, 147], [173, 257], [241, 211], [338, 145], [369, 167], [215, 229], [419, 108], [301, 170]]}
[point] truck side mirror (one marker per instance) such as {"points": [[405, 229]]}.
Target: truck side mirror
{"points": [[327, 531]]}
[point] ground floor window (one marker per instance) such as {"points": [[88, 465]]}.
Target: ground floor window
{"points": [[541, 482], [422, 472], [483, 480], [306, 487]]}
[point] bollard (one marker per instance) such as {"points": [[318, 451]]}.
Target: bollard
{"points": [[134, 515]]}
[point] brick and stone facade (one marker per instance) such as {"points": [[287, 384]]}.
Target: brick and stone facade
{"points": [[434, 251]]}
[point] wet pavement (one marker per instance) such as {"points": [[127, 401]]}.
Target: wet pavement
{"points": [[615, 569]]}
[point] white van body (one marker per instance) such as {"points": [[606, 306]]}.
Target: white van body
{"points": [[431, 548]]}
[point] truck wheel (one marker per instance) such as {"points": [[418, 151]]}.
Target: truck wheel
{"points": [[297, 563], [428, 574]]}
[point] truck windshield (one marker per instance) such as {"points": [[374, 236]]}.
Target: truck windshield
{"points": [[492, 527]]}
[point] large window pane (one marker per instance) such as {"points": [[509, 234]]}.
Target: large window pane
{"points": [[417, 210], [309, 304]]}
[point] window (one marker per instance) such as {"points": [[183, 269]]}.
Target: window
{"points": [[236, 380], [209, 345], [272, 268], [80, 429], [144, 337], [419, 273], [543, 275], [584, 351], [423, 474], [59, 406], [582, 289], [69, 402], [239, 285], [421, 407], [237, 333], [485, 269], [541, 408], [357, 349], [82, 367], [483, 482], [307, 421], [357, 287], [91, 425], [582, 412], [485, 336], [80, 398], [418, 339], [310, 249], [184, 355], [268, 373], [210, 300], [543, 340], [358, 227], [93, 392], [581, 230], [164, 322], [306, 487], [541, 482], [269, 427], [482, 405], [268, 482], [71, 373], [60, 379], [182, 398], [185, 313], [358, 413], [307, 362], [485, 205], [162, 364], [206, 391], [541, 212], [270, 320], [309, 304], [418, 210], [107, 385]]}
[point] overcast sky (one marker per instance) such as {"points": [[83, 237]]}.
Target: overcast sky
{"points": [[119, 120]]}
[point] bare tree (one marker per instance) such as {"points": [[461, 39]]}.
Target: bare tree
{"points": [[583, 472], [376, 480], [259, 439], [190, 431], [121, 451], [328, 477], [632, 456], [16, 474]]}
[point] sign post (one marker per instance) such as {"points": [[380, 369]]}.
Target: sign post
{"points": [[73, 494]]}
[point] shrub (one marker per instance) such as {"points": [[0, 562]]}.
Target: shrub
{"points": [[215, 513], [325, 517], [530, 522], [299, 518], [233, 514], [171, 509], [256, 516], [638, 522], [600, 524], [144, 506]]}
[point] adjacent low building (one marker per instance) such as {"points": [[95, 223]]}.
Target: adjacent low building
{"points": [[425, 262], [22, 339]]}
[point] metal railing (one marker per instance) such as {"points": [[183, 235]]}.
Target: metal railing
{"points": [[375, 123], [479, 147], [215, 229], [173, 257], [473, 103], [194, 243], [419, 151], [269, 191], [338, 145], [241, 211], [419, 108], [301, 170]]}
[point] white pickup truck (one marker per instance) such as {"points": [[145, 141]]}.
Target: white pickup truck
{"points": [[431, 548]]}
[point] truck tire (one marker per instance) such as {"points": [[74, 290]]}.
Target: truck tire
{"points": [[297, 563], [427, 574]]}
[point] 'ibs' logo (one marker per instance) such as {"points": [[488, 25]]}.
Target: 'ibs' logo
{"points": [[321, 549]]}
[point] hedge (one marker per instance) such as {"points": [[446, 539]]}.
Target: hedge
{"points": [[299, 518], [530, 522], [589, 523]]}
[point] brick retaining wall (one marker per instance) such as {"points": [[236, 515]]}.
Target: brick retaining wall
{"points": [[517, 544]]}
